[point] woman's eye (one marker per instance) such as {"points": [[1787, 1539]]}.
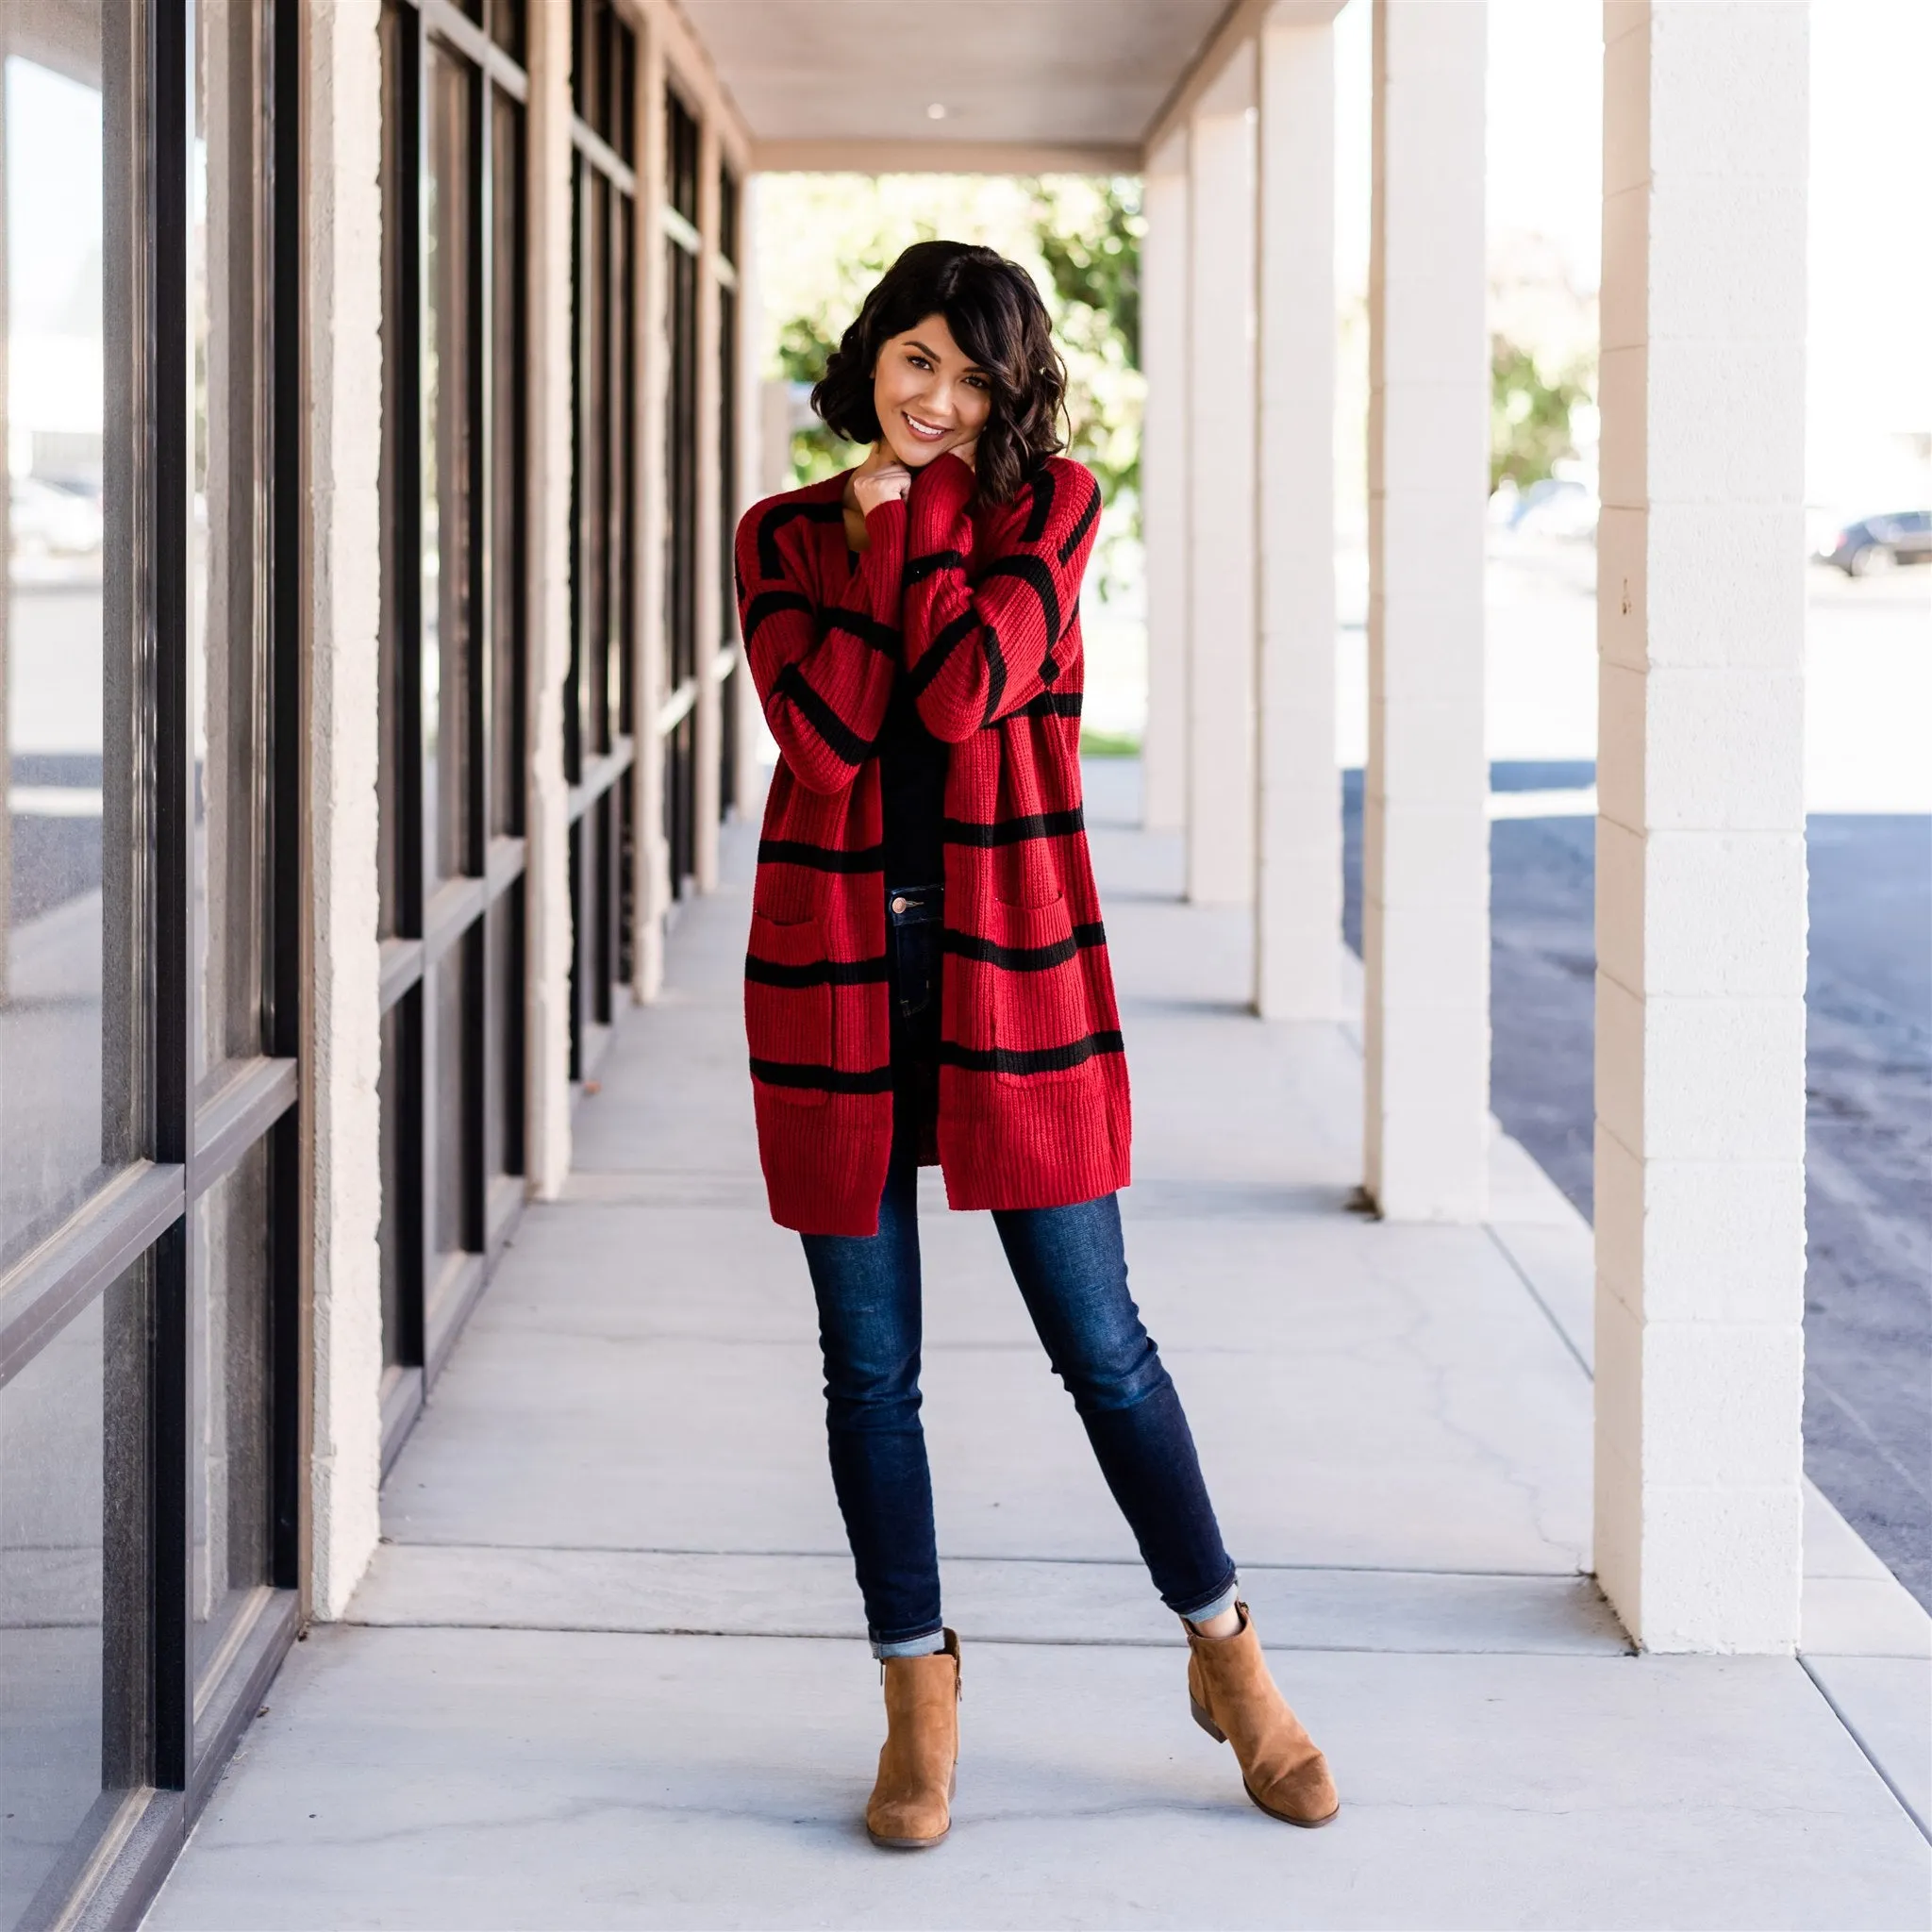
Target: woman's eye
{"points": [[978, 382], [919, 362]]}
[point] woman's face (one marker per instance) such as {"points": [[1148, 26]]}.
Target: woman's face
{"points": [[929, 396]]}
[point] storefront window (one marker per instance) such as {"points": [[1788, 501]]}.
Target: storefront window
{"points": [[70, 819]]}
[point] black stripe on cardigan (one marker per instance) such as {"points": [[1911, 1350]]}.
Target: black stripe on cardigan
{"points": [[941, 647], [1036, 1060], [865, 627], [1035, 825], [995, 675], [816, 971], [931, 564], [838, 736], [1078, 534], [1051, 704], [1042, 508], [769, 604], [1025, 959], [770, 563], [820, 857], [1039, 578], [831, 1080]]}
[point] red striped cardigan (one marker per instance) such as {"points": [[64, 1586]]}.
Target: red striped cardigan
{"points": [[980, 603]]}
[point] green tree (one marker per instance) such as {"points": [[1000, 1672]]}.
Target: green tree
{"points": [[1088, 236], [1529, 414]]}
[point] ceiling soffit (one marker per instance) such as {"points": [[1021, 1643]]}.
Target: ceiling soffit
{"points": [[817, 79]]}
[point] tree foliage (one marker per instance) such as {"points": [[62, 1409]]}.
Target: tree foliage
{"points": [[1530, 430]]}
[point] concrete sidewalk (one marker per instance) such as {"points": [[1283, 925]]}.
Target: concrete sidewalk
{"points": [[607, 1668]]}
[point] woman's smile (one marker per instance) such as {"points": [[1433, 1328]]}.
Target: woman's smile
{"points": [[929, 396]]}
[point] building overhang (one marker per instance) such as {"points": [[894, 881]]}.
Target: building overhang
{"points": [[988, 87]]}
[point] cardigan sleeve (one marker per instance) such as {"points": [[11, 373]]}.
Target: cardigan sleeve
{"points": [[824, 672], [984, 633]]}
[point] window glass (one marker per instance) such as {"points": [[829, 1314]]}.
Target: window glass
{"points": [[451, 990], [448, 414], [72, 1584], [70, 815], [508, 479], [227, 528], [229, 1378], [503, 1113], [397, 1186]]}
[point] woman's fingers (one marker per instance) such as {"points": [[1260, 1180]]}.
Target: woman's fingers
{"points": [[887, 484]]}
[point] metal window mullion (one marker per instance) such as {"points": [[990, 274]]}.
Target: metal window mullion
{"points": [[287, 871], [455, 26], [413, 1163], [601, 154], [171, 29], [480, 643]]}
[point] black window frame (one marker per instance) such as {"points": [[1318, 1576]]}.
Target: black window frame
{"points": [[434, 927], [677, 722], [167, 1732], [600, 705]]}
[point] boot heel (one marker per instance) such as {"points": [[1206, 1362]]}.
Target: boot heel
{"points": [[1207, 1723]]}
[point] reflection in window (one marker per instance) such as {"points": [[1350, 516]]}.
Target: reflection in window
{"points": [[67, 764], [447, 455], [230, 1382], [227, 606], [72, 1629]]}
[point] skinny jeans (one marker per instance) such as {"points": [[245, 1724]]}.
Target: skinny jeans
{"points": [[1069, 1265]]}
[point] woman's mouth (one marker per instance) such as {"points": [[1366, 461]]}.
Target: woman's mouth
{"points": [[925, 432]]}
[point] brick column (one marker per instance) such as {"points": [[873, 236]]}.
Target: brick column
{"points": [[546, 901], [710, 531], [1425, 935], [1298, 820], [1221, 495], [1164, 486], [342, 1046], [1701, 910]]}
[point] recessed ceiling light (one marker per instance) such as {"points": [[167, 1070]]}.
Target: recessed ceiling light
{"points": [[937, 111]]}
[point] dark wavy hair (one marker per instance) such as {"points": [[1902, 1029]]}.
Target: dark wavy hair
{"points": [[997, 318]]}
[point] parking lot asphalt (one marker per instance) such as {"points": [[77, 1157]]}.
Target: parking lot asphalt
{"points": [[1868, 1291]]}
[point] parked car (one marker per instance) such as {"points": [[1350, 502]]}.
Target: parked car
{"points": [[1878, 543], [1556, 506], [52, 520]]}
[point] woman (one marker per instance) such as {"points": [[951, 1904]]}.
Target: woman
{"points": [[928, 978]]}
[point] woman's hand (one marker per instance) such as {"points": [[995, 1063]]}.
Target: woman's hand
{"points": [[879, 479]]}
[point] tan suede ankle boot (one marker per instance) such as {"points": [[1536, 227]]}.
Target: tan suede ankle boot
{"points": [[911, 1804], [1236, 1703]]}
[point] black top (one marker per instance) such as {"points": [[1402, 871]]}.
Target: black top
{"points": [[913, 795]]}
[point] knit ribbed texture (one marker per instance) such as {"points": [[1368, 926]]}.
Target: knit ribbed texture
{"points": [[980, 604]]}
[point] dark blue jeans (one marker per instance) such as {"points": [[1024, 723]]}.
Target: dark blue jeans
{"points": [[1072, 1270]]}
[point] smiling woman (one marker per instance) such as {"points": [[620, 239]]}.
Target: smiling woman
{"points": [[927, 979]]}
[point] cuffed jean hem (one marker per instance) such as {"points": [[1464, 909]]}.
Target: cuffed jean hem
{"points": [[1214, 1605], [933, 1641]]}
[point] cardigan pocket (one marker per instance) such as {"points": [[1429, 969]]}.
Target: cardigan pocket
{"points": [[1042, 1016], [789, 1010]]}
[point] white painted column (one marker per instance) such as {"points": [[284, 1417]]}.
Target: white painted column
{"points": [[546, 793], [746, 794], [1221, 493], [651, 863], [1164, 485], [1701, 905], [1426, 936], [342, 1045], [708, 616], [1298, 822]]}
